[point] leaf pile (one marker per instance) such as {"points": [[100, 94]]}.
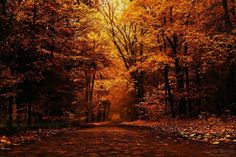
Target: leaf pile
{"points": [[29, 136], [212, 130]]}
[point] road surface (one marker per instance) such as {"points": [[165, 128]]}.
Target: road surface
{"points": [[116, 141]]}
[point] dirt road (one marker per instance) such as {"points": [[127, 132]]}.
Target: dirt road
{"points": [[115, 141]]}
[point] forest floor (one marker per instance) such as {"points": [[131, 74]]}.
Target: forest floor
{"points": [[116, 140], [210, 130], [7, 142]]}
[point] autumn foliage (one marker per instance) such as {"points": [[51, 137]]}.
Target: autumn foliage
{"points": [[63, 60], [188, 54]]}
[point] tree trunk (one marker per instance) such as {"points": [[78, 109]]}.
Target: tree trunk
{"points": [[198, 82], [29, 112], [217, 91], [178, 71], [233, 9], [91, 94], [168, 88], [138, 77], [231, 88], [108, 110], [166, 100], [180, 86], [189, 101], [29, 105], [17, 113], [99, 113], [87, 84], [228, 22], [10, 112], [141, 86]]}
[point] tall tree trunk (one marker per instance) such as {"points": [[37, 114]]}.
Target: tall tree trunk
{"points": [[99, 113], [17, 114], [166, 100], [29, 106], [140, 86], [87, 82], [108, 110], [233, 9], [10, 112], [178, 71], [198, 82], [180, 86], [231, 86], [188, 90], [189, 101], [168, 88], [228, 22], [217, 91], [138, 78], [91, 93]]}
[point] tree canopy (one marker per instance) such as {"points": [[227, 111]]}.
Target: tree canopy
{"points": [[66, 58]]}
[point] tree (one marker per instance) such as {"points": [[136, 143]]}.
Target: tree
{"points": [[128, 40], [185, 32], [36, 48]]}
